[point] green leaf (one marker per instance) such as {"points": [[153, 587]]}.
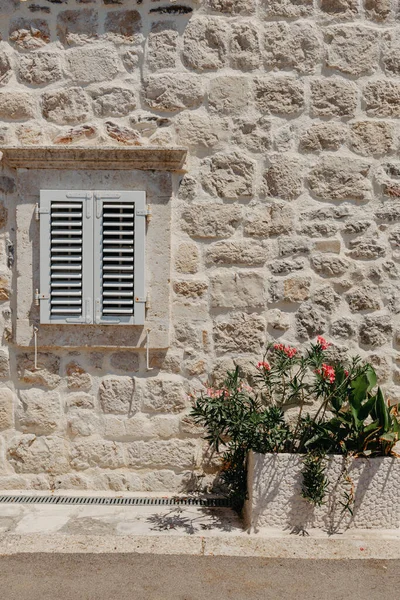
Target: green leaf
{"points": [[382, 411]]}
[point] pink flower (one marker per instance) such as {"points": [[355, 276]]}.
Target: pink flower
{"points": [[278, 346], [346, 373], [245, 388], [213, 393], [264, 365], [328, 372], [323, 343], [290, 352]]}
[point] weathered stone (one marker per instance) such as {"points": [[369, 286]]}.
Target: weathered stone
{"points": [[96, 453], [29, 34], [177, 454], [371, 138], [381, 366], [6, 409], [7, 184], [352, 49], [287, 8], [310, 321], [326, 297], [284, 178], [113, 101], [245, 47], [46, 373], [17, 106], [253, 134], [323, 136], [278, 320], [83, 423], [77, 26], [117, 396], [4, 288], [344, 328], [333, 246], [320, 230], [378, 10], [77, 378], [391, 53], [168, 362], [163, 395], [205, 44], [336, 178], [292, 46], [123, 26], [239, 333], [39, 68], [285, 267], [382, 98], [279, 95], [239, 252], [81, 400], [162, 49], [329, 266], [228, 175], [5, 68], [268, 220], [363, 298], [296, 289], [228, 94], [233, 7], [31, 134], [344, 9], [131, 59], [376, 330], [125, 360], [190, 290], [211, 220], [92, 64], [4, 365], [38, 412], [390, 212], [122, 134], [30, 454], [229, 289], [187, 258], [333, 97], [75, 134], [66, 106], [366, 248], [356, 227], [198, 129], [172, 92]]}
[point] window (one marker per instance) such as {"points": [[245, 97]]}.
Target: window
{"points": [[92, 257]]}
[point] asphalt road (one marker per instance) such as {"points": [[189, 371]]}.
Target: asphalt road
{"points": [[160, 577]]}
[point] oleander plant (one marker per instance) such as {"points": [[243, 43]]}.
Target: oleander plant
{"points": [[338, 408]]}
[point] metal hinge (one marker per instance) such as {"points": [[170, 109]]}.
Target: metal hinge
{"points": [[145, 212], [41, 210], [39, 297], [143, 300]]}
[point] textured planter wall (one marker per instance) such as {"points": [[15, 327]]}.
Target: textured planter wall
{"points": [[286, 224], [274, 484]]}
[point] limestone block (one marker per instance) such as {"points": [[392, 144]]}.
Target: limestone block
{"points": [[382, 98], [187, 258], [47, 371], [4, 365], [76, 27], [75, 134], [66, 106], [279, 95], [228, 175], [123, 27], [7, 184], [166, 426], [178, 454], [124, 135], [371, 138], [229, 289], [232, 7], [92, 64], [296, 289], [5, 68], [244, 46], [284, 177], [83, 423], [239, 252], [198, 129], [163, 395], [211, 220], [205, 44], [363, 298], [173, 93], [344, 328], [333, 246], [38, 412], [30, 454], [228, 94], [119, 482], [162, 49], [190, 290], [332, 97], [285, 267], [367, 248], [352, 49], [343, 9], [39, 68], [310, 321], [96, 453], [117, 395], [336, 178], [81, 400], [326, 297], [29, 34], [278, 320], [378, 10], [323, 136], [137, 427], [77, 378], [328, 265], [268, 220], [239, 333], [292, 46], [125, 360], [376, 330], [253, 134], [17, 106], [288, 9], [113, 101], [32, 134], [6, 409], [4, 288], [391, 53]]}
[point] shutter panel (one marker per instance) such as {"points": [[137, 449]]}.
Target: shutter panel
{"points": [[66, 249], [119, 234]]}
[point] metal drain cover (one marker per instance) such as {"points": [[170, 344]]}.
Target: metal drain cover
{"points": [[175, 501]]}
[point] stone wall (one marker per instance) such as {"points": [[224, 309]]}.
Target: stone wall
{"points": [[286, 224]]}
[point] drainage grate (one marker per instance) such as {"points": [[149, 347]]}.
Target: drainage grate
{"points": [[177, 501]]}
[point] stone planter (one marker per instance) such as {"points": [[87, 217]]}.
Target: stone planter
{"points": [[274, 487]]}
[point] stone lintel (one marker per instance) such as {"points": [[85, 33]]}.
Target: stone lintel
{"points": [[153, 158]]}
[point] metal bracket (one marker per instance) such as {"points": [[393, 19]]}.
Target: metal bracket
{"points": [[40, 210], [39, 297], [145, 213]]}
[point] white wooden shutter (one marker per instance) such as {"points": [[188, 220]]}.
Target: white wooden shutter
{"points": [[66, 249], [119, 257]]}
